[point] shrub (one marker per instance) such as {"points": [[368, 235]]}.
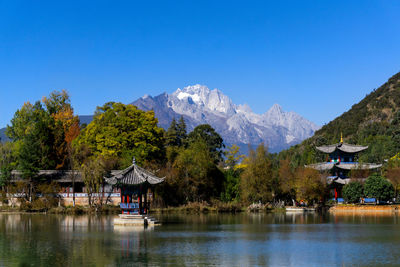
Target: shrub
{"points": [[378, 187], [352, 192]]}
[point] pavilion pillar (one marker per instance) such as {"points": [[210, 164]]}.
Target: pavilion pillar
{"points": [[145, 201]]}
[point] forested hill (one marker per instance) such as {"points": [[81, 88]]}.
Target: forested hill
{"points": [[374, 121]]}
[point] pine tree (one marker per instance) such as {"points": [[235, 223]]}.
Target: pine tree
{"points": [[181, 132], [171, 136]]}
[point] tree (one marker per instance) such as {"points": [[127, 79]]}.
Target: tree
{"points": [[232, 156], [309, 186], [287, 179], [7, 162], [33, 139], [171, 135], [353, 191], [53, 127], [213, 140], [181, 132], [257, 182], [231, 188], [123, 131], [378, 187], [393, 175], [92, 173], [196, 177]]}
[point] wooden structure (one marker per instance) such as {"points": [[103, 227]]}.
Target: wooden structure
{"points": [[134, 183], [342, 158]]}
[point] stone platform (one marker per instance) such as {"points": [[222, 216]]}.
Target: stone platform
{"points": [[135, 220]]}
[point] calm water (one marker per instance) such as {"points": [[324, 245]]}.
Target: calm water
{"points": [[201, 240]]}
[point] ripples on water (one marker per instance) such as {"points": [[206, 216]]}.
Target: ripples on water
{"points": [[199, 240]]}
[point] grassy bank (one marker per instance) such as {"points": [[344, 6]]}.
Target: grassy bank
{"points": [[190, 208], [68, 210]]}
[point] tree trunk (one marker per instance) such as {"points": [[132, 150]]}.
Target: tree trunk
{"points": [[73, 189]]}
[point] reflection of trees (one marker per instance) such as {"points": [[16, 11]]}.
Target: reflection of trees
{"points": [[43, 240], [52, 240]]}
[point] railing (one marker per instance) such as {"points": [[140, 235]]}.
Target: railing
{"points": [[129, 205], [93, 194]]}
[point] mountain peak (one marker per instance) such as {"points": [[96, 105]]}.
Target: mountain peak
{"points": [[193, 93], [276, 108], [236, 123]]}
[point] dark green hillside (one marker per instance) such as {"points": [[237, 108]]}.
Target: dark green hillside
{"points": [[374, 121]]}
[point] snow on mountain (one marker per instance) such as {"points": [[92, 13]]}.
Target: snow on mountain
{"points": [[236, 123]]}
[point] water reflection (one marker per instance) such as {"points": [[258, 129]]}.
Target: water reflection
{"points": [[281, 239]]}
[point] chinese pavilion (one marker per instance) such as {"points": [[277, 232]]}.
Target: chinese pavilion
{"points": [[134, 183], [341, 160]]}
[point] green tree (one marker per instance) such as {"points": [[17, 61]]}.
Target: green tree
{"points": [[7, 162], [378, 187], [231, 187], [181, 132], [93, 172], [353, 191], [213, 140], [52, 127], [196, 178], [257, 182], [171, 135], [123, 131]]}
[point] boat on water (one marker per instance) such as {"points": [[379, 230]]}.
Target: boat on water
{"points": [[299, 209]]}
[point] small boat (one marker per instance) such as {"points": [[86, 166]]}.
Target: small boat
{"points": [[299, 209]]}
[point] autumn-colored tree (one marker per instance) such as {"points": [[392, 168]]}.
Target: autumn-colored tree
{"points": [[393, 175], [309, 185], [51, 128], [287, 180], [65, 127], [232, 156], [257, 182]]}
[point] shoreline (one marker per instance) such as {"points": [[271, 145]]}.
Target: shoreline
{"points": [[200, 208], [348, 208]]}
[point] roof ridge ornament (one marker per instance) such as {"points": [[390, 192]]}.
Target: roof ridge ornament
{"points": [[341, 137], [133, 160]]}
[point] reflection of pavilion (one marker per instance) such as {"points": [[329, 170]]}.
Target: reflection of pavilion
{"points": [[135, 184], [342, 159]]}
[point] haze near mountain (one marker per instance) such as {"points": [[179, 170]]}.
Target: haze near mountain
{"points": [[237, 124]]}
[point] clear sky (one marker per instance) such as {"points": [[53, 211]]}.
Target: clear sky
{"points": [[316, 58]]}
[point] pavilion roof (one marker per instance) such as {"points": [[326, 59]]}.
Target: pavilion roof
{"points": [[133, 175], [344, 166], [348, 148]]}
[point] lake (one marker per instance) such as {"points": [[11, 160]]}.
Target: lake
{"points": [[202, 240]]}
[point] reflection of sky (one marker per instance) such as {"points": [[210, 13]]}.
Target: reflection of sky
{"points": [[224, 240]]}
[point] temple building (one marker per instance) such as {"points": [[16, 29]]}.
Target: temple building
{"points": [[135, 184], [341, 159]]}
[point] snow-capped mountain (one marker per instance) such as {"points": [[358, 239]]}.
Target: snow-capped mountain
{"points": [[237, 124]]}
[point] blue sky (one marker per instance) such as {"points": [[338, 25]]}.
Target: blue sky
{"points": [[316, 58]]}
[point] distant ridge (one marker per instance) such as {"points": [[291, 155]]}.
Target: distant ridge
{"points": [[237, 124]]}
